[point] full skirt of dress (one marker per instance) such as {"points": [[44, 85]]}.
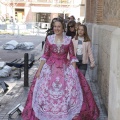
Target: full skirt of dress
{"points": [[60, 94]]}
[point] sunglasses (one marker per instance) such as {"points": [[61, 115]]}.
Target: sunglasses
{"points": [[71, 26]]}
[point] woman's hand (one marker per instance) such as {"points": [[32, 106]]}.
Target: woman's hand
{"points": [[92, 67], [40, 68], [74, 64], [38, 74]]}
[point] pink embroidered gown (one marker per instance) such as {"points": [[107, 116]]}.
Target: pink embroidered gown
{"points": [[61, 92]]}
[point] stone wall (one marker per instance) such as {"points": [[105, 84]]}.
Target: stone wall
{"points": [[105, 34], [101, 43], [114, 80]]}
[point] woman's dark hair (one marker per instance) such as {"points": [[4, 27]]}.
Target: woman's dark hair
{"points": [[71, 24], [86, 37], [72, 17], [52, 23], [50, 30]]}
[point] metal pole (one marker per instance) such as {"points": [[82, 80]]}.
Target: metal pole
{"points": [[18, 30], [26, 83], [43, 42], [19, 75]]}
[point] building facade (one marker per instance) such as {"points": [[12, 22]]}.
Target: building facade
{"points": [[40, 10], [103, 23]]}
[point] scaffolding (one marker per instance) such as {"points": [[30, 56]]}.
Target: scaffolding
{"points": [[65, 5], [10, 4]]}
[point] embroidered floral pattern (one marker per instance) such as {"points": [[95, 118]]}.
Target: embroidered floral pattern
{"points": [[61, 92], [61, 95]]}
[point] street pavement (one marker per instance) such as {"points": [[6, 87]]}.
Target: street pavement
{"points": [[17, 93]]}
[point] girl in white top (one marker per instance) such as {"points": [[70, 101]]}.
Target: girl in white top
{"points": [[82, 48]]}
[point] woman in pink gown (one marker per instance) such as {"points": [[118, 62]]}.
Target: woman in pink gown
{"points": [[59, 91]]}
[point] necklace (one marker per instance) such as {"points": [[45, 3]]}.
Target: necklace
{"points": [[59, 43]]}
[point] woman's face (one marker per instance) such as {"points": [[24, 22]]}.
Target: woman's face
{"points": [[58, 28], [80, 31], [71, 28]]}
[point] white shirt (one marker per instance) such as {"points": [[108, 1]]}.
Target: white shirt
{"points": [[80, 46]]}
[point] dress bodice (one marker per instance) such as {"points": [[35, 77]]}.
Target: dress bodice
{"points": [[58, 54]]}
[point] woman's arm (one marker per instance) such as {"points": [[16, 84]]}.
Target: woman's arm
{"points": [[90, 54], [73, 58], [42, 62], [44, 57]]}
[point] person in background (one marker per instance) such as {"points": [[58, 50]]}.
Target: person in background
{"points": [[72, 18], [68, 19], [78, 20], [2, 19], [82, 49], [71, 29], [11, 19], [16, 20], [83, 22], [59, 91]]}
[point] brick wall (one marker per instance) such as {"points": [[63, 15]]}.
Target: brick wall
{"points": [[103, 12], [111, 12]]}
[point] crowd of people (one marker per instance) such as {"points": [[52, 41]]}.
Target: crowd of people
{"points": [[70, 25], [78, 33], [59, 90]]}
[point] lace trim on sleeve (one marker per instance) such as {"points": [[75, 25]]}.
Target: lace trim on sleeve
{"points": [[74, 60], [46, 53], [42, 58]]}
